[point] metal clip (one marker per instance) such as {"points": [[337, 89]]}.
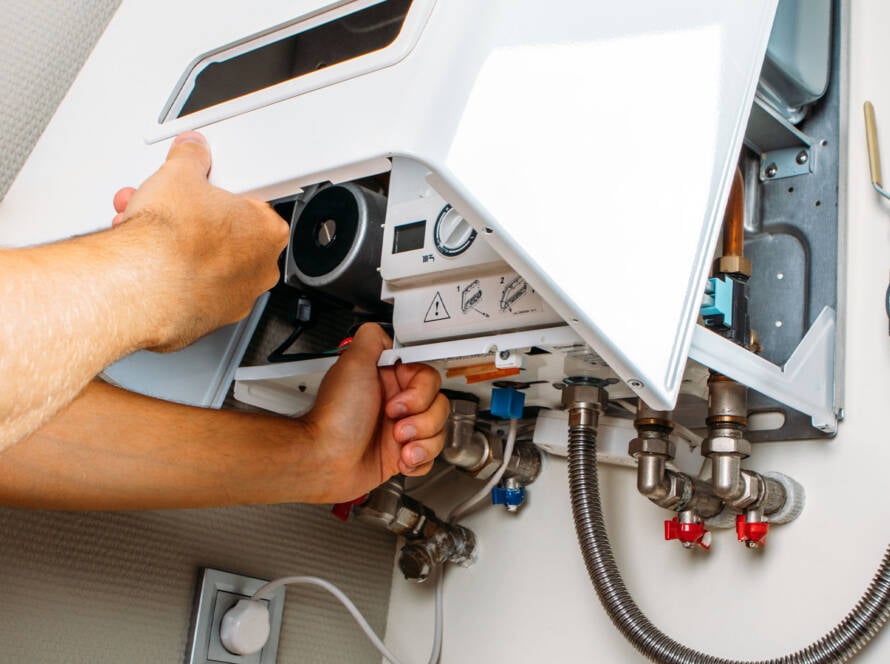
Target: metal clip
{"points": [[874, 157]]}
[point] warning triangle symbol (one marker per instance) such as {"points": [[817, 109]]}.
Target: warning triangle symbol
{"points": [[437, 310]]}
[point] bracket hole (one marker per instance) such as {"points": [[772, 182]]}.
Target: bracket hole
{"points": [[768, 420]]}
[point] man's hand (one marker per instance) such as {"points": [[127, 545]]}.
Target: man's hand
{"points": [[216, 252], [183, 259], [112, 449], [371, 422]]}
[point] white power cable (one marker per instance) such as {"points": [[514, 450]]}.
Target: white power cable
{"points": [[439, 620], [627, 405], [431, 481], [684, 433], [459, 511], [464, 508], [341, 596]]}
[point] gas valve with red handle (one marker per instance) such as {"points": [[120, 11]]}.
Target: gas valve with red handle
{"points": [[343, 510], [752, 533], [689, 533]]}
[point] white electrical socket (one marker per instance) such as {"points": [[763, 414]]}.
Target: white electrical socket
{"points": [[218, 592]]}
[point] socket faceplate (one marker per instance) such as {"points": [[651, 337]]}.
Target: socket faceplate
{"points": [[217, 593]]}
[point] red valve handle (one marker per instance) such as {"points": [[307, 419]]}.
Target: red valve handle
{"points": [[751, 531], [343, 510], [690, 533]]}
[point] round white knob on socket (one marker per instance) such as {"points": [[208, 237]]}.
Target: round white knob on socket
{"points": [[245, 627]]}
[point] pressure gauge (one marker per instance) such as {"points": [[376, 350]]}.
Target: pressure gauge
{"points": [[452, 233]]}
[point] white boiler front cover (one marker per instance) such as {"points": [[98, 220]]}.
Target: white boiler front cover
{"points": [[593, 142]]}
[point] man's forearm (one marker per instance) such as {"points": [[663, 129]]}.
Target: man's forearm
{"points": [[67, 310], [184, 259], [111, 449]]}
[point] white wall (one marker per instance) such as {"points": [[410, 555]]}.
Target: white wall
{"points": [[528, 599]]}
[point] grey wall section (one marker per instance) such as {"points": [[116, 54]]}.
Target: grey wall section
{"points": [[43, 44], [109, 588]]}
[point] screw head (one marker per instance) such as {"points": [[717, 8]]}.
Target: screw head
{"points": [[802, 157], [635, 384], [504, 354], [326, 232], [771, 171]]}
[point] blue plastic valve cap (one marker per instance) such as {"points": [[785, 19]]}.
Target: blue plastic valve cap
{"points": [[505, 496], [507, 403]]}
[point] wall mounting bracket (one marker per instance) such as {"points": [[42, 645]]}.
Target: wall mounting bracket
{"points": [[805, 382]]}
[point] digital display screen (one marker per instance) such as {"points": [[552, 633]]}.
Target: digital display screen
{"points": [[409, 237]]}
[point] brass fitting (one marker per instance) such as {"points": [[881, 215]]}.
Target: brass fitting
{"points": [[734, 265]]}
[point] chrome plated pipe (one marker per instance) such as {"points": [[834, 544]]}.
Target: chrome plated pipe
{"points": [[860, 626]]}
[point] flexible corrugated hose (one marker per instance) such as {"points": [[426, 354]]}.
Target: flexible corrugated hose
{"points": [[839, 645]]}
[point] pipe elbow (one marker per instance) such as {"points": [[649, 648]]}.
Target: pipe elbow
{"points": [[726, 476], [651, 488], [652, 481]]}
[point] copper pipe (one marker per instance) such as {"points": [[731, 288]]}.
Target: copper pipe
{"points": [[734, 219], [871, 139]]}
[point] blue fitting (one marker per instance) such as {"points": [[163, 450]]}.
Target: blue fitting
{"points": [[718, 299], [510, 497], [507, 403]]}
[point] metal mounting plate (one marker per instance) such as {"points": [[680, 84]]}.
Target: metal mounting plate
{"points": [[795, 236]]}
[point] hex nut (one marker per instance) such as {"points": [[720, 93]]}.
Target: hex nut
{"points": [[726, 445], [750, 491], [734, 265], [373, 517], [660, 446], [751, 482], [406, 520], [575, 395], [465, 407]]}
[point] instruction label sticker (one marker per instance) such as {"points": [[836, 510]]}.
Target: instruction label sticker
{"points": [[479, 304]]}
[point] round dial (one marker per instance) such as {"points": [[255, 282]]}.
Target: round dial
{"points": [[452, 233]]}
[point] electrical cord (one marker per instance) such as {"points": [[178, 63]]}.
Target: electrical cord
{"points": [[343, 599], [464, 508], [459, 511], [431, 480]]}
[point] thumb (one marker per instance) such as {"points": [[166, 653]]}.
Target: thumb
{"points": [[368, 343], [191, 150]]}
